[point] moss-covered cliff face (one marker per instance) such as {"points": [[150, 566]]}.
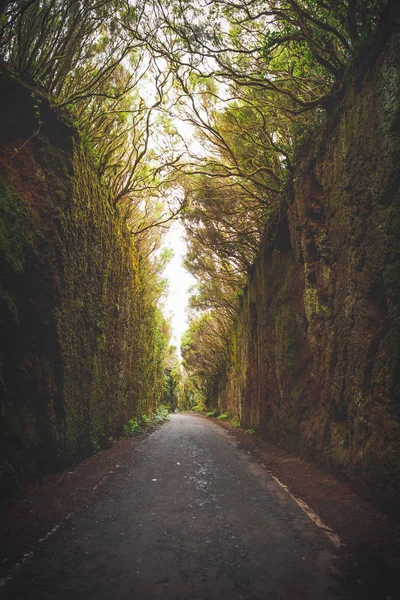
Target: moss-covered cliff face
{"points": [[79, 348], [314, 359]]}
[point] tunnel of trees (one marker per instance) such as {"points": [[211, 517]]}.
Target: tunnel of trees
{"points": [[202, 111]]}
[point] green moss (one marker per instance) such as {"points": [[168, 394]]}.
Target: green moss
{"points": [[392, 280], [15, 234], [286, 345], [391, 274], [390, 459], [69, 266], [224, 417], [213, 413], [111, 342], [16, 241], [326, 271], [291, 350], [250, 432], [311, 303], [339, 448]]}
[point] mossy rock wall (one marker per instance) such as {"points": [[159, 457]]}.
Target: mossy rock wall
{"points": [[314, 359], [80, 352]]}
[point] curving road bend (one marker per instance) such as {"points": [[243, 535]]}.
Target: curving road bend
{"points": [[188, 516]]}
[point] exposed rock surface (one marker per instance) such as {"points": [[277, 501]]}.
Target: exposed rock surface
{"points": [[314, 362], [79, 353]]}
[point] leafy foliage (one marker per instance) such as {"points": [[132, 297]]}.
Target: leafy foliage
{"points": [[88, 58], [224, 417], [134, 426], [247, 78], [254, 78], [213, 413]]}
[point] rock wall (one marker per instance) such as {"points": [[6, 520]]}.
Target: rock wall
{"points": [[314, 355], [80, 353]]}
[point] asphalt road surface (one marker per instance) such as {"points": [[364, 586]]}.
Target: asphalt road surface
{"points": [[187, 516]]}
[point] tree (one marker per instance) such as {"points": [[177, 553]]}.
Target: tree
{"points": [[191, 397], [203, 349], [85, 57], [254, 77], [249, 78], [172, 379]]}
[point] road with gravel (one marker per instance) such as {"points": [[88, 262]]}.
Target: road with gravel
{"points": [[188, 515]]}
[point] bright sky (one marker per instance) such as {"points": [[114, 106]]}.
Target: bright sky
{"points": [[179, 282]]}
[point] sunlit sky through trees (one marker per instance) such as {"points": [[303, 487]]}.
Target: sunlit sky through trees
{"points": [[179, 282]]}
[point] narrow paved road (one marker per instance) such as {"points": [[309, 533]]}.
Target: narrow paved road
{"points": [[188, 516]]}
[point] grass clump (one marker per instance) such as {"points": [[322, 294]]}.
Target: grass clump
{"points": [[250, 431], [213, 413], [224, 417]]}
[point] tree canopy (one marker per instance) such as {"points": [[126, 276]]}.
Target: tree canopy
{"points": [[192, 109]]}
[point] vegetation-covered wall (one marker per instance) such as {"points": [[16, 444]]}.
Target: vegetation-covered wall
{"points": [[314, 353], [81, 348]]}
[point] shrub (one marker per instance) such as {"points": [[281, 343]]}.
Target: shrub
{"points": [[213, 413], [96, 447], [224, 417], [161, 414], [200, 407], [138, 425], [132, 427]]}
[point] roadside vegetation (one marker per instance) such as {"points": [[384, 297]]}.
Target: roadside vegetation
{"points": [[226, 417], [189, 110], [140, 424]]}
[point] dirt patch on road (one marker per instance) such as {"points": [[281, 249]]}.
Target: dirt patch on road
{"points": [[370, 540]]}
